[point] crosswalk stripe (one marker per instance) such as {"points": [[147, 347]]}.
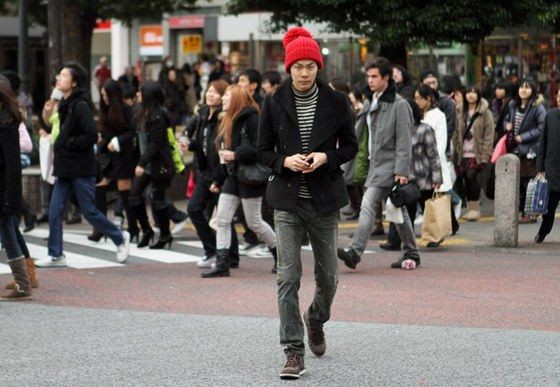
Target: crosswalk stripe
{"points": [[164, 256], [4, 269], [74, 260]]}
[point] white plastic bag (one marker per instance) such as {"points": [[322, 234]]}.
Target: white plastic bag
{"points": [[46, 157], [392, 213]]}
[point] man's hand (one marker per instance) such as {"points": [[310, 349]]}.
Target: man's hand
{"points": [[296, 163], [319, 158], [401, 179], [518, 139], [139, 171], [436, 186]]}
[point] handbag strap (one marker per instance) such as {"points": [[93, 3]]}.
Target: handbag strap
{"points": [[469, 126]]}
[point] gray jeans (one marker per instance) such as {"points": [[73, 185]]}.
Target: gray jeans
{"points": [[368, 212], [323, 235], [227, 205]]}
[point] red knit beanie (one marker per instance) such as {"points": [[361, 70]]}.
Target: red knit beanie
{"points": [[300, 45]]}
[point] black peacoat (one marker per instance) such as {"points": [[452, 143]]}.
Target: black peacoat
{"points": [[332, 133], [548, 159]]}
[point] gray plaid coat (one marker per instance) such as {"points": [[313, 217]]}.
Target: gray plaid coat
{"points": [[426, 167]]}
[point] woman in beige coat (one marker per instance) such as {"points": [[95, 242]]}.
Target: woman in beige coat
{"points": [[472, 144]]}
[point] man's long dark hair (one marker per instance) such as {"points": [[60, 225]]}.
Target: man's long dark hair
{"points": [[9, 101], [111, 116], [152, 101]]}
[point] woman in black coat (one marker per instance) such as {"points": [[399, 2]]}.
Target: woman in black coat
{"points": [[523, 125], [236, 142], [74, 167], [174, 97], [548, 164], [209, 170], [116, 152], [155, 165], [10, 191]]}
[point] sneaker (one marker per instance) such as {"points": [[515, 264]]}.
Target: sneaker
{"points": [[261, 252], [178, 227], [246, 248], [118, 221], [206, 262], [52, 262], [123, 249], [349, 257], [294, 367], [315, 337], [404, 263]]}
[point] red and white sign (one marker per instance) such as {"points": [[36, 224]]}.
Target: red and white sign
{"points": [[102, 25], [186, 22], [151, 40]]}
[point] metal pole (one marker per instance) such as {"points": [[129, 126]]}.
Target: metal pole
{"points": [[55, 37], [23, 47]]}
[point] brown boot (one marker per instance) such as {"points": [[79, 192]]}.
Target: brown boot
{"points": [[22, 291], [31, 273]]}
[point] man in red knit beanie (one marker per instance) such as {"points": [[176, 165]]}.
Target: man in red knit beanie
{"points": [[306, 133]]}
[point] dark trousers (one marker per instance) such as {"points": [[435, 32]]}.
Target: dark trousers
{"points": [[202, 202], [159, 204], [548, 219], [467, 185], [393, 236], [8, 235]]}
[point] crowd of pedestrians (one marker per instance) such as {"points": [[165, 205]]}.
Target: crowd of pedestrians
{"points": [[280, 155]]}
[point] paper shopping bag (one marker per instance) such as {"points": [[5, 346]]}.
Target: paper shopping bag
{"points": [[437, 219]]}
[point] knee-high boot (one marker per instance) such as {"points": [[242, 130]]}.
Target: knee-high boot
{"points": [[130, 215]]}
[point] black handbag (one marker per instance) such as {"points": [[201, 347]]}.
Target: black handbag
{"points": [[252, 174], [405, 194]]}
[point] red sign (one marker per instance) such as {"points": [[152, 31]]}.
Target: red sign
{"points": [[151, 40], [186, 22], [103, 25]]}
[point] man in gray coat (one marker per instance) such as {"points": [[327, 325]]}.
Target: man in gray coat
{"points": [[389, 121]]}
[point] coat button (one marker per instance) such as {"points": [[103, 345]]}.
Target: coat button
{"points": [[289, 185], [284, 146]]}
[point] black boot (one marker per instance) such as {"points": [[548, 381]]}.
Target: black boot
{"points": [[138, 208], [274, 253], [133, 228], [222, 265]]}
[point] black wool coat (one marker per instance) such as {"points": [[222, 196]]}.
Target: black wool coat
{"points": [[332, 133], [548, 160], [10, 166], [205, 152], [73, 150], [245, 153]]}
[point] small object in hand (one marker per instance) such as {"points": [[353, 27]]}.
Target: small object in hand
{"points": [[310, 161], [408, 264], [221, 153]]}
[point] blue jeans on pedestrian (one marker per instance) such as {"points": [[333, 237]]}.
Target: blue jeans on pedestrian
{"points": [[323, 235], [9, 237], [84, 188]]}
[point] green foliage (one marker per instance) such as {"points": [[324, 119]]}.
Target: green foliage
{"points": [[409, 21]]}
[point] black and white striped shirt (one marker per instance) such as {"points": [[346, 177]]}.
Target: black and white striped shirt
{"points": [[306, 103]]}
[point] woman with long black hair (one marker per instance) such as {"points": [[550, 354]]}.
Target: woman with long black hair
{"points": [[74, 167], [116, 152], [10, 191], [236, 142], [523, 125], [155, 165]]}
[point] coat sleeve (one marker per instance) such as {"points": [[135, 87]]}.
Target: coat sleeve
{"points": [[246, 153], [456, 138], [347, 141], [87, 134], [534, 133], [267, 139], [127, 137], [157, 140], [11, 151], [448, 108], [542, 146], [488, 139], [403, 138], [433, 156]]}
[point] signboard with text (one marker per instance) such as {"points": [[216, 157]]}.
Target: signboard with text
{"points": [[151, 40], [191, 44]]}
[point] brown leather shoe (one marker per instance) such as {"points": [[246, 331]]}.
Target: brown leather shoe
{"points": [[31, 273], [294, 367], [315, 337]]}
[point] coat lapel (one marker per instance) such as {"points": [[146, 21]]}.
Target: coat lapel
{"points": [[327, 116], [285, 98]]}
